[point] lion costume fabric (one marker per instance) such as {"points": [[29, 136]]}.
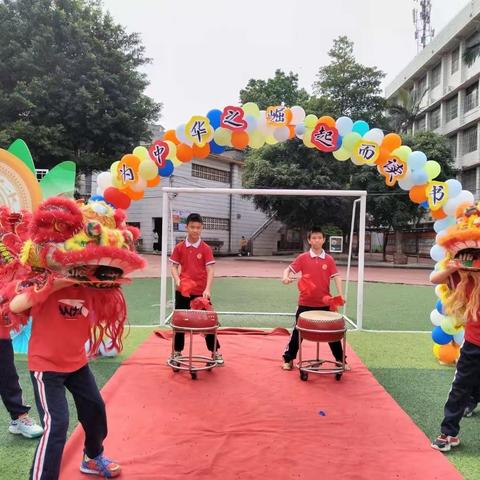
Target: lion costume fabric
{"points": [[88, 244], [462, 244]]}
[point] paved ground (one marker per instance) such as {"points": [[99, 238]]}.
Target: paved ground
{"points": [[272, 267]]}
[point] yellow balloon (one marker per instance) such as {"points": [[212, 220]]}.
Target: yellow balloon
{"points": [[141, 153], [341, 154], [148, 170], [402, 152], [271, 140], [251, 108], [176, 162], [436, 350], [256, 139], [115, 178], [222, 136], [310, 121], [307, 138], [172, 150]]}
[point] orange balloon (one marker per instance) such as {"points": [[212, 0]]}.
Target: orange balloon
{"points": [[327, 120], [154, 181], [171, 136], [288, 115], [391, 141], [383, 156], [448, 353], [132, 194], [418, 194], [240, 140], [291, 129], [438, 214], [184, 153], [201, 152]]}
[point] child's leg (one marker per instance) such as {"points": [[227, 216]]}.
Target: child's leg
{"points": [[52, 406], [181, 303], [337, 350], [466, 378], [10, 390], [209, 339], [291, 350], [90, 409]]}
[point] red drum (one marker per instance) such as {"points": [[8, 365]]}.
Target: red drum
{"points": [[321, 326], [194, 319]]}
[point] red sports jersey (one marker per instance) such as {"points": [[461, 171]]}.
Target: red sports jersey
{"points": [[193, 259], [60, 329], [319, 269]]}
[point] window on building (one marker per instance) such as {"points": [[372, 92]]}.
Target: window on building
{"points": [[436, 73], [453, 145], [472, 41], [420, 124], [435, 118], [469, 140], [41, 172], [452, 108], [209, 173], [422, 85], [469, 180], [214, 223], [455, 59], [471, 97]]}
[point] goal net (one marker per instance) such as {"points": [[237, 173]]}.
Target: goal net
{"points": [[252, 248]]}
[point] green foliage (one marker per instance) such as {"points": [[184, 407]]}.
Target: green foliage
{"points": [[404, 109], [274, 91], [353, 89], [69, 83]]}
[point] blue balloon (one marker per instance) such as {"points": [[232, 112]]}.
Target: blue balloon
{"points": [[214, 117], [214, 148], [96, 198], [440, 337], [361, 127], [339, 142], [439, 307], [419, 177], [299, 129], [459, 337], [444, 223], [167, 169], [416, 160], [424, 204]]}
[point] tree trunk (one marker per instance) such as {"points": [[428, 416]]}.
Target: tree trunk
{"points": [[385, 243], [399, 258]]}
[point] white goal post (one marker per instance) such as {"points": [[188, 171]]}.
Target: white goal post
{"points": [[360, 195]]}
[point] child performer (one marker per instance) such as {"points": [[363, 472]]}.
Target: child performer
{"points": [[319, 268]]}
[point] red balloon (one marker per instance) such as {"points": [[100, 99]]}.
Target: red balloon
{"points": [[117, 198]]}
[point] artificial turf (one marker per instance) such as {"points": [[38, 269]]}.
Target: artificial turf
{"points": [[401, 362]]}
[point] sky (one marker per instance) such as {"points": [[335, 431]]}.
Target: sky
{"points": [[204, 52]]}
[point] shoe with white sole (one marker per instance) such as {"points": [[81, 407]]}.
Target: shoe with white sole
{"points": [[26, 426]]}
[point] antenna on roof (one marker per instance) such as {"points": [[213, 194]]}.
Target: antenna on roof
{"points": [[421, 21]]}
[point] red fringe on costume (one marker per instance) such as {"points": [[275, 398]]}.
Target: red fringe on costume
{"points": [[10, 320], [109, 315]]}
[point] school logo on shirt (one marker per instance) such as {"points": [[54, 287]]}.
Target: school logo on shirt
{"points": [[72, 308], [324, 266], [199, 256]]}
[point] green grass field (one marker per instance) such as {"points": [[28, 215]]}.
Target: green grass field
{"points": [[401, 362]]}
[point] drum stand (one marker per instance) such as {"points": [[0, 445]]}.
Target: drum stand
{"points": [[316, 365]]}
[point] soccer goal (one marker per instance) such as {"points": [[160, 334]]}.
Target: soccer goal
{"points": [[241, 230]]}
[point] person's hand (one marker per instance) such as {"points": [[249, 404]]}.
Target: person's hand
{"points": [[287, 280], [206, 293], [177, 282]]}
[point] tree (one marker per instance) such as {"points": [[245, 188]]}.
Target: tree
{"points": [[281, 88], [353, 89], [69, 82], [405, 109], [391, 208]]}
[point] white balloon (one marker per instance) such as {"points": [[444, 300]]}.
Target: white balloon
{"points": [[104, 180], [262, 123], [281, 134], [252, 123], [454, 187], [180, 133], [406, 183], [298, 114], [436, 317], [375, 135], [437, 253], [344, 125], [463, 197], [459, 337]]}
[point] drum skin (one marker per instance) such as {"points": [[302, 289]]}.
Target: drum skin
{"points": [[194, 319], [324, 322]]}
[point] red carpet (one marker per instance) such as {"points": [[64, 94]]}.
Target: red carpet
{"points": [[251, 420]]}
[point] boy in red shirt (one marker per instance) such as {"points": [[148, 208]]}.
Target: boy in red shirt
{"points": [[192, 271], [319, 268]]}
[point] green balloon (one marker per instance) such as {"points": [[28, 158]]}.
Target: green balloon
{"points": [[350, 140]]}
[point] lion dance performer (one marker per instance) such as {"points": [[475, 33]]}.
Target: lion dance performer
{"points": [[13, 230], [460, 274], [76, 257]]}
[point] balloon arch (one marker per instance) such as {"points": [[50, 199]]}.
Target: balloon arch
{"points": [[248, 126]]}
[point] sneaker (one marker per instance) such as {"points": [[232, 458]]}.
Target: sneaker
{"points": [[287, 365], [101, 466], [445, 442], [468, 412], [347, 367], [25, 426], [219, 359]]}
